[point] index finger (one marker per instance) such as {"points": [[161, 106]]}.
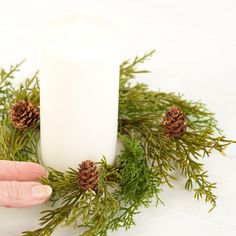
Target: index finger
{"points": [[21, 171]]}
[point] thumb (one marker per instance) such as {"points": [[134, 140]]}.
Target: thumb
{"points": [[23, 194]]}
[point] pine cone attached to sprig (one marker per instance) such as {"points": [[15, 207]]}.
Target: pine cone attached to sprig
{"points": [[88, 175], [174, 122], [24, 114]]}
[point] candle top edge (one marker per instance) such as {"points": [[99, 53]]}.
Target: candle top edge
{"points": [[76, 35]]}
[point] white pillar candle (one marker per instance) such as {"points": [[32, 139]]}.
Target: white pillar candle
{"points": [[79, 92]]}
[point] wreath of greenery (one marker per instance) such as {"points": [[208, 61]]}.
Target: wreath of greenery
{"points": [[147, 161]]}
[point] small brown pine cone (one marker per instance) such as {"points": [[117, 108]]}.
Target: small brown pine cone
{"points": [[24, 114], [174, 122], [88, 175]]}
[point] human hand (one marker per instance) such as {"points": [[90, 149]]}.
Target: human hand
{"points": [[18, 184]]}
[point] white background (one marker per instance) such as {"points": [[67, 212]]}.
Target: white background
{"points": [[196, 55]]}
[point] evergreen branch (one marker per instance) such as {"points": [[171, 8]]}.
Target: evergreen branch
{"points": [[129, 69], [148, 158], [6, 77], [16, 144], [87, 210], [138, 183], [52, 218], [28, 91], [141, 111], [195, 174]]}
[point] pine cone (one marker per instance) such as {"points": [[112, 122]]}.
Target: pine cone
{"points": [[174, 122], [88, 175], [23, 115]]}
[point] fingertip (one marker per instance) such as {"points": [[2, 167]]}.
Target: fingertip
{"points": [[46, 174], [15, 194], [42, 171], [30, 171]]}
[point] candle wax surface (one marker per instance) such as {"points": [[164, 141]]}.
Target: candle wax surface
{"points": [[79, 92]]}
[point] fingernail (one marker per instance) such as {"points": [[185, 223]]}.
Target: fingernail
{"points": [[41, 192], [47, 174]]}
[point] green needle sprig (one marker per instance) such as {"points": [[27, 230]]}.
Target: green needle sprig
{"points": [[88, 211], [148, 159], [141, 114], [15, 144]]}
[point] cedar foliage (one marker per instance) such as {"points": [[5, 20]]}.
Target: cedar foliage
{"points": [[148, 158]]}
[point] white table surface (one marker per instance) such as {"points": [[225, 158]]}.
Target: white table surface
{"points": [[196, 55]]}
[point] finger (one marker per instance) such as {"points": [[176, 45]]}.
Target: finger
{"points": [[23, 194], [21, 171]]}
